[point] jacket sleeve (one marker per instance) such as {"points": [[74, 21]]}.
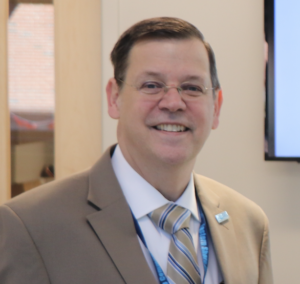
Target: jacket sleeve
{"points": [[20, 261], [265, 266]]}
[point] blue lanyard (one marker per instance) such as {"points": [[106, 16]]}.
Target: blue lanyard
{"points": [[160, 274], [203, 237], [203, 240]]}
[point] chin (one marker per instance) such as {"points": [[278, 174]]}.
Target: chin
{"points": [[174, 156]]}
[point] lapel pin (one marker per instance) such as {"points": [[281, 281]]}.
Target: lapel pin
{"points": [[222, 217]]}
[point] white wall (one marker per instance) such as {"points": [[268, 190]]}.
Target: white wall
{"points": [[234, 153]]}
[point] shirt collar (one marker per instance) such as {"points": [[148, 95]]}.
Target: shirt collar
{"points": [[141, 196]]}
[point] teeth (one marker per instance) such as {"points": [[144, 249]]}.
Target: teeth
{"points": [[171, 127]]}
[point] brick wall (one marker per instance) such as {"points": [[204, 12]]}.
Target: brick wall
{"points": [[31, 58]]}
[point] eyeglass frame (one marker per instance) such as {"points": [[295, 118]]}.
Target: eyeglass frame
{"points": [[166, 88]]}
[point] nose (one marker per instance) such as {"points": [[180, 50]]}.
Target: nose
{"points": [[172, 100]]}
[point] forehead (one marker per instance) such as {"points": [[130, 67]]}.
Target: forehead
{"points": [[170, 57]]}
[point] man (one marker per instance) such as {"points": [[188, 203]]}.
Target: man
{"points": [[140, 215]]}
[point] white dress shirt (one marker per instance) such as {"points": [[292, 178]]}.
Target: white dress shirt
{"points": [[143, 198]]}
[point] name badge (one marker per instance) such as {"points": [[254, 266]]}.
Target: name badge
{"points": [[222, 217]]}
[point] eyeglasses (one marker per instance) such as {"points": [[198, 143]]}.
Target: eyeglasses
{"points": [[188, 91]]}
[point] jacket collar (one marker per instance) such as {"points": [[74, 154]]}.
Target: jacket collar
{"points": [[113, 223]]}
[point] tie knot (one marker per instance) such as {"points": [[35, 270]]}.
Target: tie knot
{"points": [[171, 217]]}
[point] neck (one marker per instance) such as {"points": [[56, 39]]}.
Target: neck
{"points": [[169, 179]]}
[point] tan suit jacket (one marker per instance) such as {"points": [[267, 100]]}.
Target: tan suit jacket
{"points": [[80, 230]]}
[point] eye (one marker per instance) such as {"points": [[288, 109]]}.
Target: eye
{"points": [[193, 89], [151, 87]]}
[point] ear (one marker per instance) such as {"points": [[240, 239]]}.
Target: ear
{"points": [[217, 105], [113, 98]]}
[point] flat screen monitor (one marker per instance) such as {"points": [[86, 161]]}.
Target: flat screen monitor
{"points": [[282, 30]]}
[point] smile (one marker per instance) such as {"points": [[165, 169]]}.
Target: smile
{"points": [[171, 127]]}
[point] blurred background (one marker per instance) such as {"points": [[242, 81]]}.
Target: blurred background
{"points": [[31, 93]]}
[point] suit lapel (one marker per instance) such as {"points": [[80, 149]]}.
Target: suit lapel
{"points": [[114, 225], [223, 235]]}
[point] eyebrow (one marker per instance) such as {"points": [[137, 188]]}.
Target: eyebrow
{"points": [[151, 73], [193, 77], [161, 75]]}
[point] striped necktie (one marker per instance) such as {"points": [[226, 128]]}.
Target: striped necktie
{"points": [[182, 266]]}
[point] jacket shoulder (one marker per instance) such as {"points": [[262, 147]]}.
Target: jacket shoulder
{"points": [[50, 195], [232, 201]]}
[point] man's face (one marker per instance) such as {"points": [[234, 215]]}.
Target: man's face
{"points": [[150, 130]]}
